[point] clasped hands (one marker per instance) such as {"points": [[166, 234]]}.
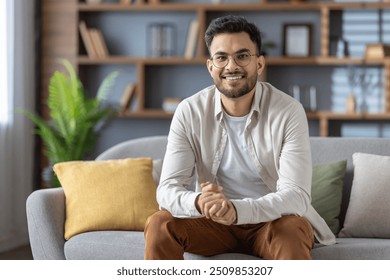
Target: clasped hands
{"points": [[213, 204]]}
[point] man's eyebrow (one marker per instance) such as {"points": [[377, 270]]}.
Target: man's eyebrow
{"points": [[239, 51], [220, 52], [242, 50]]}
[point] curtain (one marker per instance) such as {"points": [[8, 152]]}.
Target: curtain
{"points": [[16, 131]]}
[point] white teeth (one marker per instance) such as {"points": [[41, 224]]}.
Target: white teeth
{"points": [[233, 78]]}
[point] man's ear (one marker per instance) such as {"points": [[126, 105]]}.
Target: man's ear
{"points": [[260, 64], [210, 66]]}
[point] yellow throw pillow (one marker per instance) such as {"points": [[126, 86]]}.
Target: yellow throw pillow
{"points": [[107, 195]]}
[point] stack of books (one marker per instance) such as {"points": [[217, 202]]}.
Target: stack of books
{"points": [[93, 40]]}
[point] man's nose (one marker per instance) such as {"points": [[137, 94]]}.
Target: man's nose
{"points": [[231, 63]]}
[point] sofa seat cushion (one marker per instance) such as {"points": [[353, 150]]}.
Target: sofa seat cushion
{"points": [[129, 245], [121, 245], [106, 245], [354, 249], [344, 249]]}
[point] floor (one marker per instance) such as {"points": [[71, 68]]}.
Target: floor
{"points": [[22, 253]]}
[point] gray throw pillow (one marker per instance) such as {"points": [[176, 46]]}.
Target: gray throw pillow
{"points": [[368, 210]]}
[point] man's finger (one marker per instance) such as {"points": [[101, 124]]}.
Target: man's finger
{"points": [[222, 211], [209, 187], [214, 209]]}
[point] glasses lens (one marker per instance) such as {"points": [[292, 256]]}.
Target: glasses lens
{"points": [[220, 60], [241, 59]]}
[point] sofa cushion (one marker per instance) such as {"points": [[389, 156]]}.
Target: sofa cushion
{"points": [[129, 245], [123, 245], [368, 210], [353, 249], [106, 245], [327, 191], [107, 195]]}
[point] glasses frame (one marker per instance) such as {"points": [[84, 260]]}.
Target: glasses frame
{"points": [[231, 56]]}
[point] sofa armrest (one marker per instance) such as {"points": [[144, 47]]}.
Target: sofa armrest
{"points": [[46, 219]]}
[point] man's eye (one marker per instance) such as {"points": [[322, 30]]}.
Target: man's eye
{"points": [[242, 56], [221, 57]]}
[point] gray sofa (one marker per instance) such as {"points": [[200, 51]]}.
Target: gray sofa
{"points": [[46, 211]]}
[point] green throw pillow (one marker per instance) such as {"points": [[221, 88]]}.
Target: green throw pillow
{"points": [[327, 191]]}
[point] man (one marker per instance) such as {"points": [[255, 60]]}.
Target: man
{"points": [[247, 145]]}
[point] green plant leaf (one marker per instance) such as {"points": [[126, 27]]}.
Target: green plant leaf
{"points": [[75, 120], [106, 85]]}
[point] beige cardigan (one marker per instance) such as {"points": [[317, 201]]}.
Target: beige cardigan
{"points": [[278, 140]]}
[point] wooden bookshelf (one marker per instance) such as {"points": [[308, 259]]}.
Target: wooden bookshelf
{"points": [[325, 117], [69, 45]]}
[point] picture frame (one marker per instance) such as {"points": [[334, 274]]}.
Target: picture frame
{"points": [[297, 39]]}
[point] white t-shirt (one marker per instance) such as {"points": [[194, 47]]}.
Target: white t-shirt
{"points": [[237, 173]]}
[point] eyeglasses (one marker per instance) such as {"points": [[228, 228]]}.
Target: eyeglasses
{"points": [[242, 59]]}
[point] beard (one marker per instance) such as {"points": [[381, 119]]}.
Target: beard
{"points": [[236, 89]]}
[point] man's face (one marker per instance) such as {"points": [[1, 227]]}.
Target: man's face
{"points": [[234, 80]]}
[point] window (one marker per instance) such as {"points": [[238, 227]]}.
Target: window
{"points": [[361, 27], [4, 95]]}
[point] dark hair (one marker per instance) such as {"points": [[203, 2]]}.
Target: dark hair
{"points": [[233, 24]]}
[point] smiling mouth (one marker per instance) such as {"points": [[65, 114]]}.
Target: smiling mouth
{"points": [[233, 78]]}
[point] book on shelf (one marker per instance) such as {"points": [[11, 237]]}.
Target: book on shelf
{"points": [[192, 39], [87, 40], [98, 42], [127, 97], [93, 41]]}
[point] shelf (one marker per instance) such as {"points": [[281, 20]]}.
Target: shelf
{"points": [[325, 116], [330, 60], [290, 6], [112, 7], [347, 116], [85, 60], [357, 5]]}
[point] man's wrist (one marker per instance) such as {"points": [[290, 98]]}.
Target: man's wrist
{"points": [[197, 206], [235, 212]]}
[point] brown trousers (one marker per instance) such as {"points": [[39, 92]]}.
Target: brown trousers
{"points": [[167, 238]]}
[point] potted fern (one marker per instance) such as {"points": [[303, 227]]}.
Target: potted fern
{"points": [[75, 120]]}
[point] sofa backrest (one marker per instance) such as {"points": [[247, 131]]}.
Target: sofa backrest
{"points": [[152, 146], [331, 149], [324, 150]]}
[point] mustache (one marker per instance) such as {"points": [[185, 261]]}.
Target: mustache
{"points": [[232, 73]]}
